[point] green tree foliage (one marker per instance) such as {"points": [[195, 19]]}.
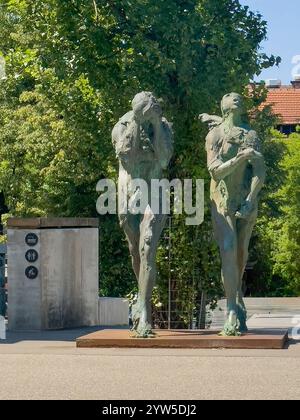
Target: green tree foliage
{"points": [[260, 279], [282, 232], [72, 68]]}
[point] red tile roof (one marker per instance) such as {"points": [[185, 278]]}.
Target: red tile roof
{"points": [[285, 102]]}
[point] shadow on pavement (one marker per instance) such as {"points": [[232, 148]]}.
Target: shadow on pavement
{"points": [[293, 342], [13, 337]]}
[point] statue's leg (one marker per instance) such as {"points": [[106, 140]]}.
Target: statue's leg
{"points": [[131, 225], [150, 231], [244, 232], [225, 229]]}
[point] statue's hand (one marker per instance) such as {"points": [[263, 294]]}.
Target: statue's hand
{"points": [[212, 120], [155, 119], [245, 210], [249, 154], [153, 113], [256, 155], [204, 118]]}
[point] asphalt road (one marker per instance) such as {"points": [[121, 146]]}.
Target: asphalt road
{"points": [[48, 366]]}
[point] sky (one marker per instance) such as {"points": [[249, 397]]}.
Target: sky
{"points": [[283, 17]]}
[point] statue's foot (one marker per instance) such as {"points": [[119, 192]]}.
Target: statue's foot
{"points": [[142, 327], [144, 330], [242, 318], [232, 326], [136, 315]]}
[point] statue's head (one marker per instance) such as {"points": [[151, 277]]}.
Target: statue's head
{"points": [[144, 105], [232, 103]]}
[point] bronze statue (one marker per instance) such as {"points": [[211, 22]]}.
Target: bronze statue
{"points": [[143, 141], [238, 174]]}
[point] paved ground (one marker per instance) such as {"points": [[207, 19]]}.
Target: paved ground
{"points": [[48, 366]]}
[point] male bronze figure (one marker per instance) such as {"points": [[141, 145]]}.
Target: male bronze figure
{"points": [[143, 141]]}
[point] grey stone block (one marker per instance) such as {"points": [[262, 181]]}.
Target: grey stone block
{"points": [[64, 294]]}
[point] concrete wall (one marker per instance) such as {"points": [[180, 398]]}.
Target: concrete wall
{"points": [[113, 312], [65, 292], [70, 277], [256, 306]]}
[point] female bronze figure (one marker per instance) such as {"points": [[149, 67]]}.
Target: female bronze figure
{"points": [[238, 174]]}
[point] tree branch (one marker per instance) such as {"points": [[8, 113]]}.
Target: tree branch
{"points": [[96, 9]]}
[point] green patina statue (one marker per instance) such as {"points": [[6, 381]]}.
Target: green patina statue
{"points": [[238, 174], [143, 141]]}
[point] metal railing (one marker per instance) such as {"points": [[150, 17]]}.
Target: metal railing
{"points": [[3, 293]]}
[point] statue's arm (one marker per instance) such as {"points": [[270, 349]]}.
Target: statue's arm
{"points": [[124, 140], [220, 170], [216, 166], [259, 170], [163, 142], [211, 120], [258, 180]]}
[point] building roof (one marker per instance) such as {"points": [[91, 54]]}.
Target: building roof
{"points": [[285, 102]]}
